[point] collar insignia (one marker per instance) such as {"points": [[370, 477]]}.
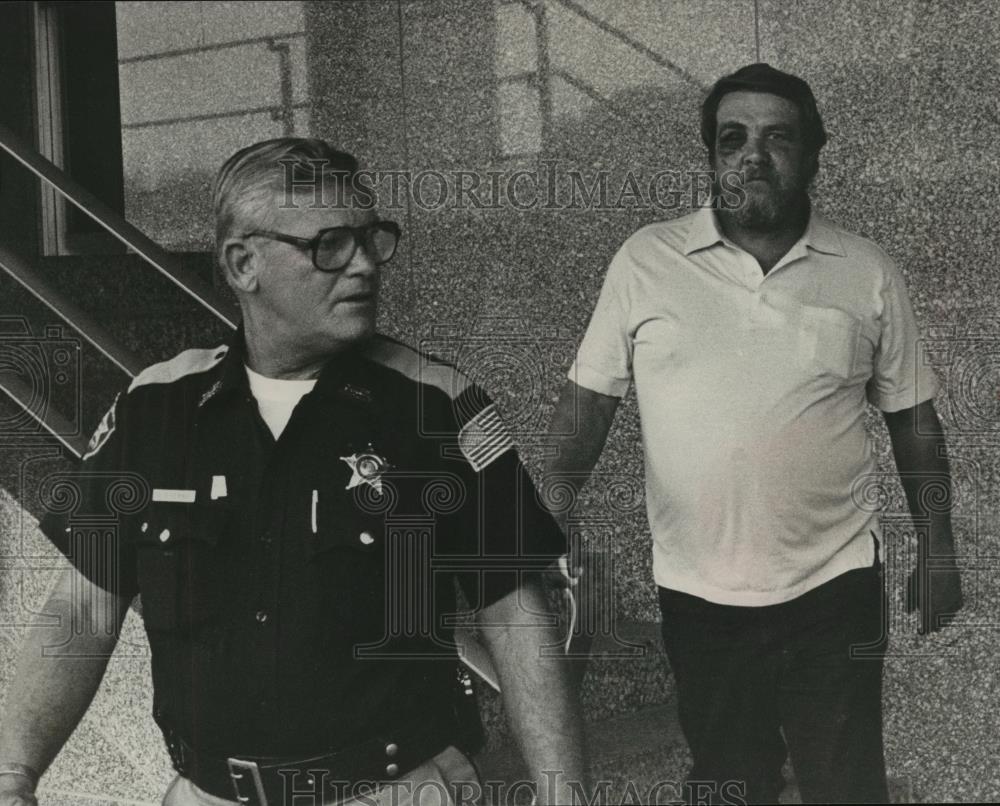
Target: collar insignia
{"points": [[210, 393], [357, 393]]}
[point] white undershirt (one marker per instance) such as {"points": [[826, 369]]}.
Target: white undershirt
{"points": [[277, 398]]}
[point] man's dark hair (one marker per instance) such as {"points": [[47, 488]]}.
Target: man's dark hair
{"points": [[762, 77]]}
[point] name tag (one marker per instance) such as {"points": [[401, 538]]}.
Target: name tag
{"points": [[174, 496]]}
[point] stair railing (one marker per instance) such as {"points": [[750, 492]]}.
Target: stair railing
{"points": [[88, 327]]}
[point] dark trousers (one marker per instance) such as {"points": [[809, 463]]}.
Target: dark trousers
{"points": [[810, 669]]}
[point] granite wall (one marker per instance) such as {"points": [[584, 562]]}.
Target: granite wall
{"points": [[503, 278], [463, 95]]}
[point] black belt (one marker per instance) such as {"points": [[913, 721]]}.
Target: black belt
{"points": [[265, 781]]}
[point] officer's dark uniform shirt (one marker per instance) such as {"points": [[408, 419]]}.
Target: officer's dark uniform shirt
{"points": [[290, 606]]}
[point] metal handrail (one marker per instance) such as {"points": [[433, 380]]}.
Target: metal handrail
{"points": [[51, 421], [114, 223], [20, 392], [78, 319]]}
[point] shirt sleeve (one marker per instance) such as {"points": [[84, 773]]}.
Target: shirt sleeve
{"points": [[901, 377], [505, 526], [87, 508], [604, 361]]}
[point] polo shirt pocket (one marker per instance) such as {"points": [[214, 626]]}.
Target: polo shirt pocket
{"points": [[176, 548], [828, 342]]}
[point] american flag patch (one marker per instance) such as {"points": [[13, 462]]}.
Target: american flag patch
{"points": [[484, 438]]}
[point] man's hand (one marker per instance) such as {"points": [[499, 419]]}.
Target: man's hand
{"points": [[579, 429], [937, 610], [569, 567], [935, 587], [17, 790]]}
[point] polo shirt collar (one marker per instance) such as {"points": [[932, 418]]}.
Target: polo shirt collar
{"points": [[703, 232], [819, 235], [822, 237]]}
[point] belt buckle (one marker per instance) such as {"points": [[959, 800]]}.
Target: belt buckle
{"points": [[240, 771]]}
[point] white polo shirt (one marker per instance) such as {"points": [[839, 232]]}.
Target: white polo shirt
{"points": [[751, 393]]}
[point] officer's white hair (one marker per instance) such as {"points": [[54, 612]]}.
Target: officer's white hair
{"points": [[243, 197]]}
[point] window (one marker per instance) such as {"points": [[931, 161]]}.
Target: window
{"points": [[79, 122]]}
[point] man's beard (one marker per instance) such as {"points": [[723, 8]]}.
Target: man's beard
{"points": [[771, 206]]}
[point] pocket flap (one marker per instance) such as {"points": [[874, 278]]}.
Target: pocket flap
{"points": [[168, 523], [364, 537]]}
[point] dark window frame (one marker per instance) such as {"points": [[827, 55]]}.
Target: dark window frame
{"points": [[78, 120]]}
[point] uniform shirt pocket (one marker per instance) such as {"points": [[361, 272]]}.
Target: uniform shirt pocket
{"points": [[343, 572], [177, 563], [338, 523]]}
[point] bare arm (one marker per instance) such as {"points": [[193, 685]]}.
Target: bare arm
{"points": [[541, 708], [58, 673], [579, 429], [921, 458]]}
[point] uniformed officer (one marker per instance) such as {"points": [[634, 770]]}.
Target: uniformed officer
{"points": [[295, 510]]}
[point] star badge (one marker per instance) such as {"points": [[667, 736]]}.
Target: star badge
{"points": [[367, 468]]}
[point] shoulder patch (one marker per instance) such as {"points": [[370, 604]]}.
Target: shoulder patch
{"points": [[104, 430], [484, 438], [417, 366], [189, 362], [483, 435]]}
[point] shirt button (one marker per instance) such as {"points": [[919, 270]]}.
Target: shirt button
{"points": [[261, 616], [392, 770], [366, 538], [391, 749], [164, 535]]}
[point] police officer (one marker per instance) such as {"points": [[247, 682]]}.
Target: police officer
{"points": [[297, 509]]}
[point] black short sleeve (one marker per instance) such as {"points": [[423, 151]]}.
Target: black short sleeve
{"points": [[506, 525], [89, 508]]}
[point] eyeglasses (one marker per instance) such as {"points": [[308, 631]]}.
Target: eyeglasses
{"points": [[333, 248]]}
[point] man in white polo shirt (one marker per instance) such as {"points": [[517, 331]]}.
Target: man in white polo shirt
{"points": [[754, 334]]}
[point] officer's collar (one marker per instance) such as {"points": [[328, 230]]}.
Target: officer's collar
{"points": [[232, 376]]}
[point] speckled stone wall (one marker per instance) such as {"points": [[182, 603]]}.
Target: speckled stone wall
{"points": [[909, 97], [907, 90]]}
